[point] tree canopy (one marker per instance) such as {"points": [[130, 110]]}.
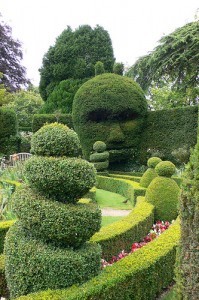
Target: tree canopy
{"points": [[174, 63], [14, 74], [74, 56]]}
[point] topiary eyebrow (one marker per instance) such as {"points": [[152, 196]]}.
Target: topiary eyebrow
{"points": [[100, 115]]}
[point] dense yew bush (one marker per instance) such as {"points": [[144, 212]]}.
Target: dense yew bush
{"points": [[55, 140], [65, 180], [40, 120], [180, 131], [51, 221], [47, 247], [99, 146], [109, 108], [163, 192], [34, 265], [100, 158], [8, 123], [150, 173]]}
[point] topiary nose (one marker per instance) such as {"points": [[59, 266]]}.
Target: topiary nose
{"points": [[116, 135]]}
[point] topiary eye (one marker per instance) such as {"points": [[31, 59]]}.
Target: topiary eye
{"points": [[99, 115]]}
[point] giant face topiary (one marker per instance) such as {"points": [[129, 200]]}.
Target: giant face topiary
{"points": [[109, 108], [163, 192]]}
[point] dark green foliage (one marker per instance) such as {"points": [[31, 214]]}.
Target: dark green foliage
{"points": [[69, 225], [3, 285], [189, 214], [8, 123], [41, 119], [109, 108], [55, 140], [101, 166], [34, 265], [4, 226], [99, 146], [118, 68], [10, 145], [175, 61], [65, 180], [61, 98], [99, 68], [167, 130], [74, 55], [163, 193], [165, 168]]}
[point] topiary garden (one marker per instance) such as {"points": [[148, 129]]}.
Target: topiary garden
{"points": [[54, 249]]}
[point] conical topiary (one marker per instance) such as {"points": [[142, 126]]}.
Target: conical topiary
{"points": [[47, 247], [150, 173], [163, 192]]}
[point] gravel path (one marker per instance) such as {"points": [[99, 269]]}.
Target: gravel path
{"points": [[114, 212]]}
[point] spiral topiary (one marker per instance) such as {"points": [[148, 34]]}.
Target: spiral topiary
{"points": [[47, 247], [150, 173], [100, 158], [163, 192]]}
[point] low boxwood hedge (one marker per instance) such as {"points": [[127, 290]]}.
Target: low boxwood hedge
{"points": [[120, 235], [139, 276]]}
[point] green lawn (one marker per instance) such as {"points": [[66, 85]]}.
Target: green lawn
{"points": [[106, 220], [113, 200]]}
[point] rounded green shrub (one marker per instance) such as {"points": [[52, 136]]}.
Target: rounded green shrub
{"points": [[153, 161], [109, 108], [165, 168], [70, 225], [102, 156], [163, 192], [150, 173], [8, 123], [34, 265], [55, 139], [99, 146], [65, 180]]}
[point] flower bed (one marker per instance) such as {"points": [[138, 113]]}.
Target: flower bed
{"points": [[157, 229]]}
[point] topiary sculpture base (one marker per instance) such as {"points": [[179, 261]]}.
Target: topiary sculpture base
{"points": [[32, 265]]}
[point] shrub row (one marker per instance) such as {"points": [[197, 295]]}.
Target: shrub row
{"points": [[127, 188], [40, 119], [126, 176], [120, 235], [168, 130], [141, 275]]}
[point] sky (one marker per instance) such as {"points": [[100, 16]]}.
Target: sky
{"points": [[134, 26]]}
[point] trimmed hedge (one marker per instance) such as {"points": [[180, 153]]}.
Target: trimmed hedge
{"points": [[41, 119], [8, 123], [63, 179], [109, 108], [163, 193], [32, 265], [124, 187], [168, 130], [10, 145], [4, 226], [66, 225], [120, 235], [55, 139], [141, 275], [3, 285]]}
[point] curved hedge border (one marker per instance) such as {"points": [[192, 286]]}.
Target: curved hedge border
{"points": [[141, 275], [125, 187], [120, 235]]}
